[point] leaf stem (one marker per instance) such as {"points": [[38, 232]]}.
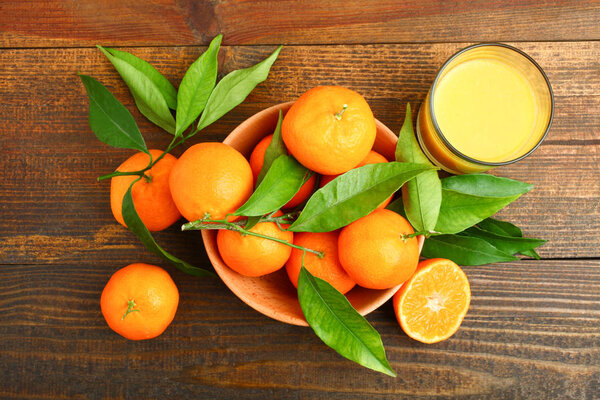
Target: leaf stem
{"points": [[174, 143], [213, 224]]}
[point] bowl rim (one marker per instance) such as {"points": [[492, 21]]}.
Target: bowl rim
{"points": [[209, 240]]}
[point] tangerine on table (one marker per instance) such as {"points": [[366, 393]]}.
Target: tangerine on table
{"points": [[432, 304], [329, 129], [327, 268], [257, 159], [374, 253], [211, 178], [139, 301], [152, 199], [372, 158], [254, 256]]}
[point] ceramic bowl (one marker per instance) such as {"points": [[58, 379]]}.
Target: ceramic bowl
{"points": [[274, 295]]}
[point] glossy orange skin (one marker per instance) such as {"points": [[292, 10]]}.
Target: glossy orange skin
{"points": [[253, 256], [320, 141], [152, 200], [257, 159], [327, 268], [373, 252], [211, 178], [439, 278], [155, 296], [372, 158]]}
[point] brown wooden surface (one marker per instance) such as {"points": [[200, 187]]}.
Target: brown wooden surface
{"points": [[42, 23], [533, 330]]}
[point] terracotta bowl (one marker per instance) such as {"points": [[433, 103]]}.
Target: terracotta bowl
{"points": [[273, 295]]}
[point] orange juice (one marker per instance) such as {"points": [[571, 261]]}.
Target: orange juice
{"points": [[489, 105]]}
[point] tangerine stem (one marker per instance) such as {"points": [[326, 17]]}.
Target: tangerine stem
{"points": [[338, 116], [424, 233], [215, 224], [130, 305]]}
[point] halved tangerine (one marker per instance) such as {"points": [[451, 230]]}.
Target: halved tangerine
{"points": [[431, 305]]}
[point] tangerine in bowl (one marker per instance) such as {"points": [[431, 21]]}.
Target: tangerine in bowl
{"points": [[273, 294]]}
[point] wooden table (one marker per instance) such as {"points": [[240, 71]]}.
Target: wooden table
{"points": [[533, 329]]}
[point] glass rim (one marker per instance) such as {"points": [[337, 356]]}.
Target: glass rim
{"points": [[439, 131]]}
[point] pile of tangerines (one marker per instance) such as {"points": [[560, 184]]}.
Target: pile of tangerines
{"points": [[329, 130]]}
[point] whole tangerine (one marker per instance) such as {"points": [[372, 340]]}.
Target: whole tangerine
{"points": [[329, 129], [374, 251], [139, 301], [251, 255], [151, 198], [327, 268], [210, 178]]}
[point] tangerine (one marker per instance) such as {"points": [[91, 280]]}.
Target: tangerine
{"points": [[210, 178], [257, 159], [139, 301], [432, 304], [327, 268], [329, 129], [255, 256], [152, 199], [374, 253]]}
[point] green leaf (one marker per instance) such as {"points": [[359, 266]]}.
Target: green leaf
{"points": [[531, 253], [135, 225], [339, 325], [111, 122], [251, 222], [234, 88], [152, 92], [507, 244], [275, 149], [422, 195], [196, 86], [463, 250], [485, 185], [468, 199], [282, 182], [505, 228], [353, 195]]}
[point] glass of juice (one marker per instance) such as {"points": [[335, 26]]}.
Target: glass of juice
{"points": [[490, 105]]}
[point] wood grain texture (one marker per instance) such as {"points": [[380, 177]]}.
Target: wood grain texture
{"points": [[68, 23], [533, 331], [54, 211]]}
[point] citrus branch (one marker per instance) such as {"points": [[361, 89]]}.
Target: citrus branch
{"points": [[214, 224]]}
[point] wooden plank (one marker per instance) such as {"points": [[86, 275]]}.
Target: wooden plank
{"points": [[37, 23], [533, 331], [53, 210]]}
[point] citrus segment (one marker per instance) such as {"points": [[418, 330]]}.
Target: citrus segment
{"points": [[431, 305]]}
